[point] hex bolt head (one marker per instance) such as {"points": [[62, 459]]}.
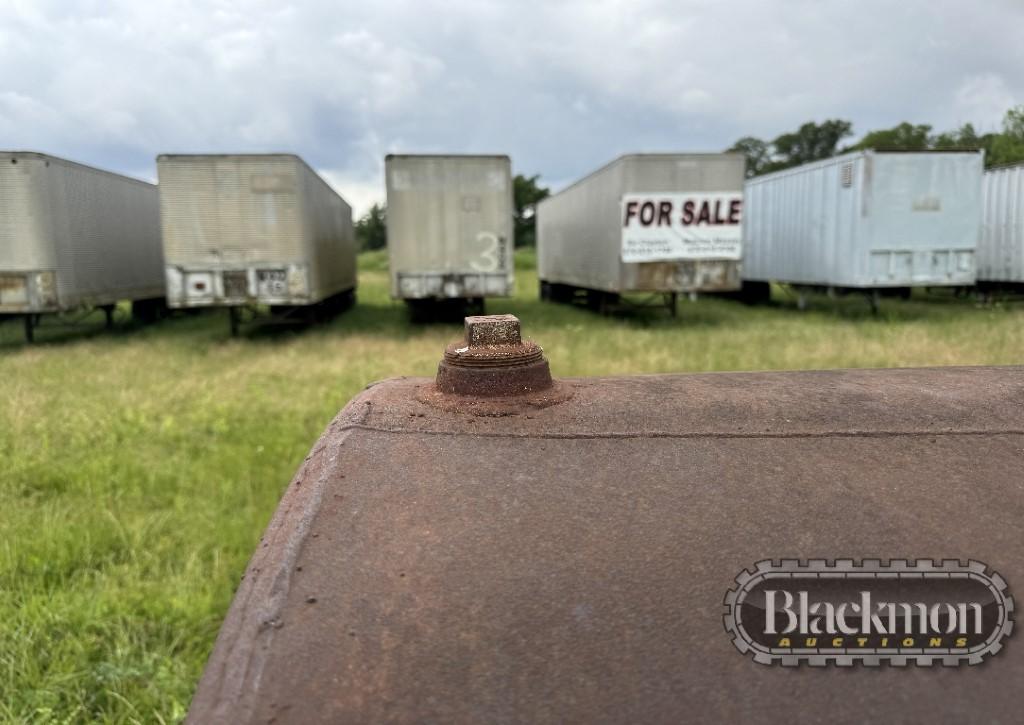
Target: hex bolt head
{"points": [[492, 330]]}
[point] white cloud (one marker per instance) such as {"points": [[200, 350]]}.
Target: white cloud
{"points": [[361, 191], [561, 87], [983, 99]]}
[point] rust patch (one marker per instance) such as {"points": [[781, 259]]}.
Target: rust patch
{"points": [[495, 406], [656, 276], [573, 560]]}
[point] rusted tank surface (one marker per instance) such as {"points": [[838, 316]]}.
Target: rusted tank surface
{"points": [[562, 552]]}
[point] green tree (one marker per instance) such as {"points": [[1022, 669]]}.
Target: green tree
{"points": [[1008, 146], [905, 136], [964, 137], [371, 229], [758, 154], [811, 142], [526, 192], [814, 141], [1013, 123]]}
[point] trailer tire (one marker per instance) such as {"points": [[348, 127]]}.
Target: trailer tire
{"points": [[562, 293], [347, 300], [420, 311], [601, 302], [755, 293], [148, 311]]}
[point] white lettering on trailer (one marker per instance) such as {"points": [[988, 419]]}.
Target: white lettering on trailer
{"points": [[490, 253]]}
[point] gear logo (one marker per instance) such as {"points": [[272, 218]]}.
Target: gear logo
{"points": [[871, 612]]}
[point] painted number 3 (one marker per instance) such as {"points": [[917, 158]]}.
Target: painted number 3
{"points": [[492, 252]]}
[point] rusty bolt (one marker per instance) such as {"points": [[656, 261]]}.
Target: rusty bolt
{"points": [[492, 330], [493, 360]]}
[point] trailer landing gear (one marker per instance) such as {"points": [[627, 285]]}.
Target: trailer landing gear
{"points": [[108, 316], [873, 300], [755, 293], [234, 320], [145, 312]]}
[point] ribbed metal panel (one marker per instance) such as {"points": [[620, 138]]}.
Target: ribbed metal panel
{"points": [[245, 213], [866, 219], [98, 232], [25, 243], [1001, 247], [579, 229], [330, 237], [230, 209], [449, 225]]}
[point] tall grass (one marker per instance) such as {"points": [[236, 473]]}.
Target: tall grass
{"points": [[138, 467]]}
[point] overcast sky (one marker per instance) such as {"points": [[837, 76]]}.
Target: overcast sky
{"points": [[560, 87]]}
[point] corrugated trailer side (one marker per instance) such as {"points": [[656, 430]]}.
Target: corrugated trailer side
{"points": [[74, 236], [866, 220], [330, 236], [800, 225], [449, 226], [578, 231], [108, 239], [1001, 246]]}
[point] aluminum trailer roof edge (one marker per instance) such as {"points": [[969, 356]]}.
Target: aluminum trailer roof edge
{"points": [[895, 150], [809, 166], [61, 159], [1003, 167], [286, 154], [283, 154], [636, 155], [843, 157], [506, 157]]}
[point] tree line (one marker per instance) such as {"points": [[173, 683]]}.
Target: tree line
{"points": [[816, 141], [810, 142]]}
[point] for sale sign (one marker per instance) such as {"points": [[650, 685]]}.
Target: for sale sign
{"points": [[668, 227]]}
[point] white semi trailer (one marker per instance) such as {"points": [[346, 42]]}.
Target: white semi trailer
{"points": [[241, 230], [73, 237], [449, 229], [660, 224], [868, 221]]}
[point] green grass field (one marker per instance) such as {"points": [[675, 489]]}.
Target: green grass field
{"points": [[138, 467]]}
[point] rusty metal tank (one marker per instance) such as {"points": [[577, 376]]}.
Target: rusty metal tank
{"points": [[498, 546]]}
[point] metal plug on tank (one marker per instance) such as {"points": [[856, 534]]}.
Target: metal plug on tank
{"points": [[493, 360]]}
